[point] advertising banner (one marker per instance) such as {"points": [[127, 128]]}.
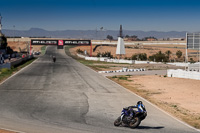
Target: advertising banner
{"points": [[77, 42], [44, 42], [60, 42]]}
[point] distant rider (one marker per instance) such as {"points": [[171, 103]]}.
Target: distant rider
{"points": [[54, 58]]}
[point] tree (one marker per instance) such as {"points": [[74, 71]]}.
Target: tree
{"points": [[159, 57], [127, 36], [140, 56], [149, 38], [168, 52], [191, 60], [109, 37], [179, 54], [104, 54]]}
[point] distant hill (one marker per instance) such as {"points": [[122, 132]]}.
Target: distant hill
{"points": [[90, 34]]}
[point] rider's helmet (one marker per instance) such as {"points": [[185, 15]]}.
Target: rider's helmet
{"points": [[139, 103]]}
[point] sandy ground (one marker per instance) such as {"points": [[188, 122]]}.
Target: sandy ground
{"points": [[179, 97], [16, 45], [183, 92]]}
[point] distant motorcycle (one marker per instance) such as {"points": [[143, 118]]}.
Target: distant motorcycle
{"points": [[54, 59], [131, 121]]}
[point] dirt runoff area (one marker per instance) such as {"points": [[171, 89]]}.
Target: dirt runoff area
{"points": [[4, 131], [179, 97]]}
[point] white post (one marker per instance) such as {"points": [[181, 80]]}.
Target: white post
{"points": [[186, 50], [199, 52]]}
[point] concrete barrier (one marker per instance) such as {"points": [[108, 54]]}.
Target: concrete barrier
{"points": [[81, 56], [179, 73], [105, 59], [183, 64]]}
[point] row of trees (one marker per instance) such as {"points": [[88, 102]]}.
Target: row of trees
{"points": [[159, 57], [133, 38]]}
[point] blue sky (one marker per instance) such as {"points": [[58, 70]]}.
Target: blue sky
{"points": [[146, 15]]}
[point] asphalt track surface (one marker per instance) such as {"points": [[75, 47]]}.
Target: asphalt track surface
{"points": [[68, 97]]}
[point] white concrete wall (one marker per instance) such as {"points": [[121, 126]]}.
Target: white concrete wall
{"points": [[81, 56], [183, 64], [116, 60], [183, 74]]}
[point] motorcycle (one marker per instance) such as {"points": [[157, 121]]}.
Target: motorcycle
{"points": [[132, 121], [54, 59]]}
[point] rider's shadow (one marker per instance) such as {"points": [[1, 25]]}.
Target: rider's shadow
{"points": [[147, 127]]}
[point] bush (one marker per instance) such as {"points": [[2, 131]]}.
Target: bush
{"points": [[191, 60], [105, 54], [114, 76], [140, 56], [79, 51], [159, 57], [98, 54], [179, 54], [5, 70], [123, 78]]}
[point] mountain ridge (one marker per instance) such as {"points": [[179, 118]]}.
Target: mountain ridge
{"points": [[91, 34]]}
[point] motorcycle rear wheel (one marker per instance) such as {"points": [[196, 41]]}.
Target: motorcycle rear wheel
{"points": [[117, 122], [135, 122]]}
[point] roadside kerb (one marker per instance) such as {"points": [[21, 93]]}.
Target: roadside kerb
{"points": [[128, 70]]}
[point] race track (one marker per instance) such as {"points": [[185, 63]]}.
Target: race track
{"points": [[67, 96]]}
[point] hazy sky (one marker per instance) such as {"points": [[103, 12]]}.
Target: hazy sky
{"points": [[147, 15]]}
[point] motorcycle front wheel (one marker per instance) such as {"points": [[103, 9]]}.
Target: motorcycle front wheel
{"points": [[117, 122], [135, 122]]}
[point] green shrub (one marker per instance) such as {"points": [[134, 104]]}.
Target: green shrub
{"points": [[114, 76], [5, 70], [192, 61], [159, 57], [123, 78], [79, 51], [140, 56], [104, 54], [98, 54], [179, 54]]}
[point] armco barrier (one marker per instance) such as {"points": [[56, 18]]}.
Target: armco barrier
{"points": [[14, 63], [183, 74]]}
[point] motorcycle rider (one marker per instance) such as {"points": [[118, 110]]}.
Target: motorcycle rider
{"points": [[54, 58], [130, 117], [140, 109]]}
